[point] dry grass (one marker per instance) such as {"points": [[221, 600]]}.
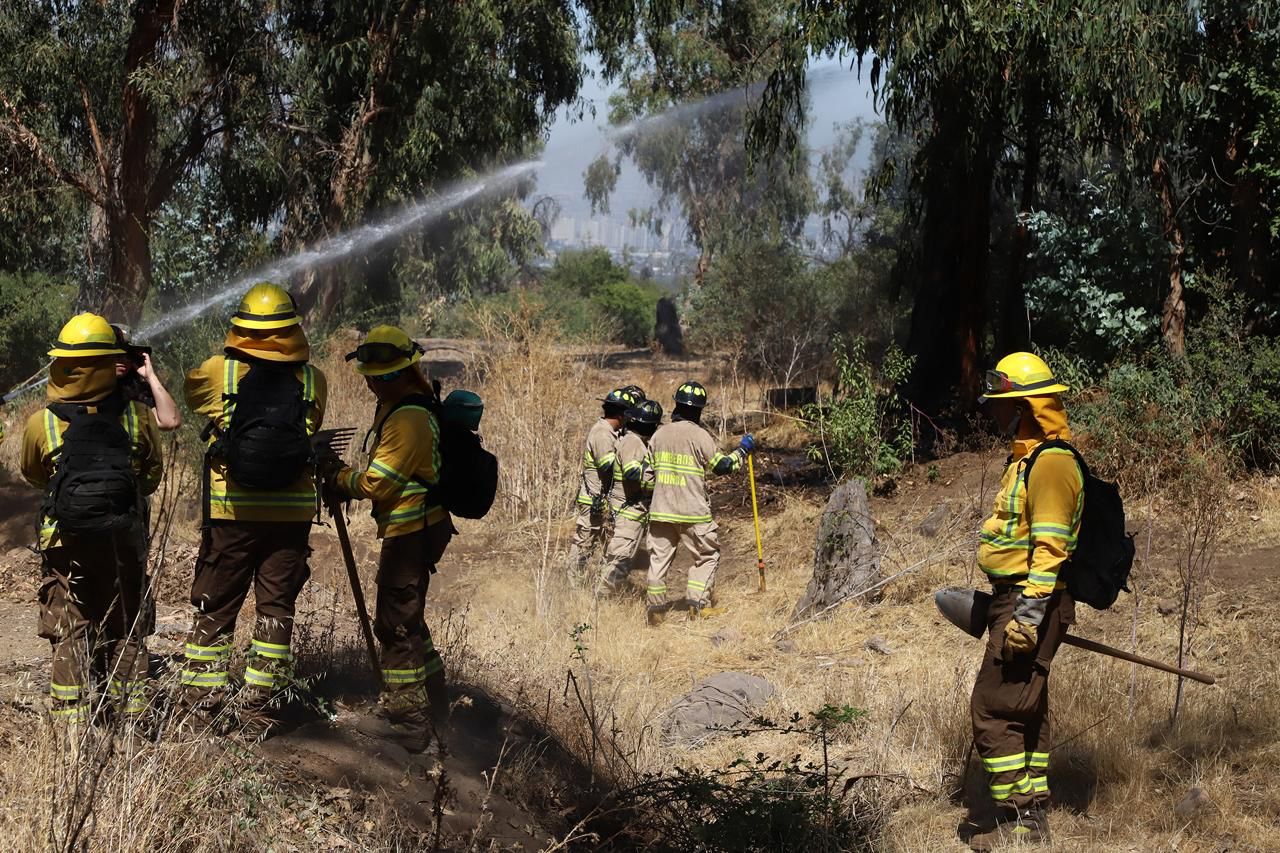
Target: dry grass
{"points": [[1120, 766]]}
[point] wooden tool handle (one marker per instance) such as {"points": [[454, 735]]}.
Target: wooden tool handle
{"points": [[1093, 646]]}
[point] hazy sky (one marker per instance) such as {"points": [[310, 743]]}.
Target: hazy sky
{"points": [[838, 97]]}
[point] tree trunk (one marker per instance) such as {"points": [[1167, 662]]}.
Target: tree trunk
{"points": [[1013, 334], [1173, 316], [948, 316]]}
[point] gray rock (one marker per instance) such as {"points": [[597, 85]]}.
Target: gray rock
{"points": [[931, 526], [727, 635], [1192, 803], [1167, 606], [785, 646], [846, 555], [716, 702], [877, 644]]}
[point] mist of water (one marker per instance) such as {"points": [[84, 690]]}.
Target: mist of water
{"points": [[341, 245]]}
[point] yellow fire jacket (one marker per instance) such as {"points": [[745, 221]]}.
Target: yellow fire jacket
{"points": [[406, 454], [205, 387], [43, 435], [1034, 525]]}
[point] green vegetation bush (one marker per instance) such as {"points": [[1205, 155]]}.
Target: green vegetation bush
{"points": [[585, 295], [33, 307], [1145, 416], [866, 429]]}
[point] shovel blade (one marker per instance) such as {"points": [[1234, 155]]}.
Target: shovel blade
{"points": [[964, 608]]}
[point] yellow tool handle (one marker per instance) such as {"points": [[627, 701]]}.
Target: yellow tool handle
{"points": [[755, 514]]}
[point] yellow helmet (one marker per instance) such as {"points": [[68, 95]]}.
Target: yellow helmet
{"points": [[384, 350], [86, 335], [1020, 374], [266, 306]]}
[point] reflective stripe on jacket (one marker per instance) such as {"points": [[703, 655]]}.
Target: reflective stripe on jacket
{"points": [[630, 473], [206, 387], [407, 451], [680, 454], [1034, 525], [43, 436], [599, 452]]}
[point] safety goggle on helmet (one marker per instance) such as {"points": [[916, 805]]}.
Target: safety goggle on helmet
{"points": [[1021, 374], [385, 352]]}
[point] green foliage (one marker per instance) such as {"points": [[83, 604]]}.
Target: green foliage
{"points": [[596, 298], [33, 308], [1098, 269], [1143, 417], [866, 429], [779, 312]]}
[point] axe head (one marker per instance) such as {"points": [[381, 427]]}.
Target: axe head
{"points": [[964, 608]]}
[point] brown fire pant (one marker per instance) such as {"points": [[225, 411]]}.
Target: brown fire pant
{"points": [[588, 532], [624, 550], [92, 613], [703, 541], [235, 555], [1010, 704], [412, 671]]}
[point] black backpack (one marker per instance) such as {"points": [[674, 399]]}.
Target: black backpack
{"points": [[1099, 567], [266, 446], [93, 489], [468, 473]]}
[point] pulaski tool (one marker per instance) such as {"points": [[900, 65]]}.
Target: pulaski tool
{"points": [[967, 610]]}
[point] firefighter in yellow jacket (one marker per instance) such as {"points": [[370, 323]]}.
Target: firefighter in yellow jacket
{"points": [[262, 401], [1023, 547], [404, 463], [598, 488], [96, 454], [681, 455]]}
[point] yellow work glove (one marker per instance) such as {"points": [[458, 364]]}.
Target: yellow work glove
{"points": [[1019, 638]]}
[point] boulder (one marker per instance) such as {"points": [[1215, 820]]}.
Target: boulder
{"points": [[715, 703], [932, 523], [726, 636], [846, 556]]}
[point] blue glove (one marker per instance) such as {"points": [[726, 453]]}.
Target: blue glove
{"points": [[747, 444]]}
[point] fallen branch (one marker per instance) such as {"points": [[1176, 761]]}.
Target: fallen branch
{"points": [[789, 628]]}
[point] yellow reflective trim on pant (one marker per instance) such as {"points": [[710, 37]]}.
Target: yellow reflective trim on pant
{"points": [[207, 653], [633, 514], [1023, 785], [1001, 792], [433, 665], [1040, 784], [656, 590], [262, 678], [275, 651], [698, 585], [404, 676], [1002, 763], [1037, 759], [125, 688], [586, 500], [203, 679], [70, 713], [65, 692]]}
